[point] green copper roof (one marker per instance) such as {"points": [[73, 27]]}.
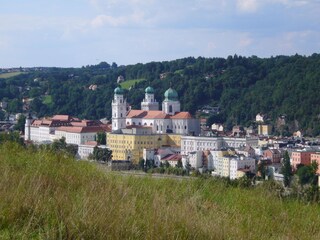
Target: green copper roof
{"points": [[149, 90], [119, 91], [171, 95]]}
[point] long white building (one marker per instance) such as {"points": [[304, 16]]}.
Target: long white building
{"points": [[74, 130], [201, 143]]}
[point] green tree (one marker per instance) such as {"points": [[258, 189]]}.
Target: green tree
{"points": [[59, 145], [2, 115], [166, 164], [141, 164], [286, 170], [179, 164], [307, 174], [101, 138], [20, 124], [262, 169], [11, 137], [102, 154]]}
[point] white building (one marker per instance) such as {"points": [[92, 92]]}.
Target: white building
{"points": [[260, 118], [74, 130], [169, 120], [195, 159], [229, 166], [217, 127], [84, 150], [201, 143]]}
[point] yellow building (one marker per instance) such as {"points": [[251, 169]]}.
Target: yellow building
{"points": [[128, 144], [264, 129]]}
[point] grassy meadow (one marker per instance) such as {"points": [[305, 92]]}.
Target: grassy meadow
{"points": [[47, 196], [127, 84], [47, 100], [9, 75]]}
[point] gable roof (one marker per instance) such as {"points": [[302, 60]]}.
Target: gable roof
{"points": [[153, 114], [182, 115]]}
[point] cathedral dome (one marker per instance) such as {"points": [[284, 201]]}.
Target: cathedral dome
{"points": [[118, 91], [149, 90], [171, 95]]}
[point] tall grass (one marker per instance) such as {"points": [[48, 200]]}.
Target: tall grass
{"points": [[47, 196]]}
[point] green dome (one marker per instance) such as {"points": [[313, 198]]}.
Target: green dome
{"points": [[171, 95], [118, 91], [149, 90]]}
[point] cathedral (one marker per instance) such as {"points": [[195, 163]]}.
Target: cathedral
{"points": [[168, 120]]}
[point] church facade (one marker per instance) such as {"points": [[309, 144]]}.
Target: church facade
{"points": [[168, 120]]}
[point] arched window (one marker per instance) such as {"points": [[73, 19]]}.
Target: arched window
{"points": [[170, 109]]}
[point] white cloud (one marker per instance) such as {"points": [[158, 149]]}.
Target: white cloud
{"points": [[247, 5], [245, 41], [136, 18]]}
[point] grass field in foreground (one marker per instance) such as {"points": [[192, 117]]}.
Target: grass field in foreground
{"points": [[127, 84], [9, 75], [45, 196]]}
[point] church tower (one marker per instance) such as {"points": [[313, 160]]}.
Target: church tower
{"points": [[27, 128], [119, 110], [149, 103], [171, 104]]}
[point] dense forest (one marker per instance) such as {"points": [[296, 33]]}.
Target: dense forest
{"points": [[286, 86]]}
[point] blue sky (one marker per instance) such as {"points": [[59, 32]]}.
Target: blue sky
{"points": [[73, 33]]}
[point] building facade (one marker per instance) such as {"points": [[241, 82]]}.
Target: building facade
{"points": [[169, 120]]}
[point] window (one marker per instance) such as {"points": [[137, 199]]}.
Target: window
{"points": [[170, 109]]}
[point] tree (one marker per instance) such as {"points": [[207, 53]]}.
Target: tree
{"points": [[166, 164], [286, 169], [101, 138], [307, 174], [141, 163], [20, 124], [102, 154], [11, 137], [59, 144], [262, 169], [2, 115], [179, 164]]}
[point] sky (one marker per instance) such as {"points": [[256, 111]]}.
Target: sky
{"points": [[75, 33]]}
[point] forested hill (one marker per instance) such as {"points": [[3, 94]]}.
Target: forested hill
{"points": [[240, 86]]}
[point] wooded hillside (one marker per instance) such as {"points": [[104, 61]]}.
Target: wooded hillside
{"points": [[240, 86]]}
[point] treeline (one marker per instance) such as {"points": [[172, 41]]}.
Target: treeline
{"points": [[285, 86]]}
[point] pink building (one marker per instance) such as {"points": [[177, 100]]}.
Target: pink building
{"points": [[316, 157], [272, 154], [302, 157]]}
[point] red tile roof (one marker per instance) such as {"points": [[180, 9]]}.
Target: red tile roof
{"points": [[172, 157], [91, 143], [89, 129], [157, 115], [182, 115], [62, 117]]}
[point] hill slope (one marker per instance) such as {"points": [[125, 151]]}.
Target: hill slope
{"points": [[240, 86], [54, 197]]}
